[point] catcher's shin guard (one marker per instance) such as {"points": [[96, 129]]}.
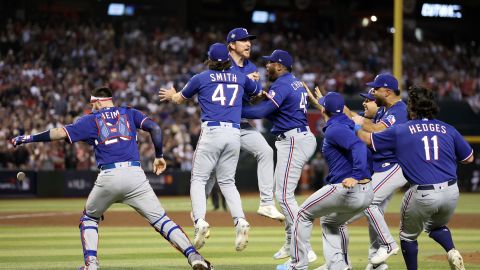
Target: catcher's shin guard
{"points": [[174, 234], [89, 237]]}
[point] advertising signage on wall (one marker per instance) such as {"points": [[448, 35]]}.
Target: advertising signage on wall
{"points": [[442, 10]]}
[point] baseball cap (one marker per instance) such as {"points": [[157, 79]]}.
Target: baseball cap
{"points": [[218, 52], [333, 102], [385, 80], [239, 34], [280, 56], [369, 95]]}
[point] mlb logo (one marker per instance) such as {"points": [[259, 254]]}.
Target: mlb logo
{"points": [[113, 130], [391, 119]]}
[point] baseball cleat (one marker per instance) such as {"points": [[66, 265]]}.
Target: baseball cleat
{"points": [[242, 228], [312, 256], [455, 260], [91, 264], [202, 229], [382, 266], [207, 235], [270, 211], [201, 265], [382, 255], [283, 252]]}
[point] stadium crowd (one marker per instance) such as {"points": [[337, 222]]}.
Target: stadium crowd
{"points": [[48, 68]]}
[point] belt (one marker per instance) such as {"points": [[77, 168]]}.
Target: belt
{"points": [[363, 182], [120, 165], [291, 132], [432, 187], [245, 125], [222, 124]]}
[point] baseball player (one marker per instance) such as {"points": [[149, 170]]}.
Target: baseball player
{"points": [[286, 107], [347, 193], [219, 90], [387, 176], [427, 149], [251, 140], [112, 133]]}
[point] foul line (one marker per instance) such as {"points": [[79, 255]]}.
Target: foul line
{"points": [[37, 215]]}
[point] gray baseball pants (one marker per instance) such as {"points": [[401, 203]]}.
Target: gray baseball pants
{"points": [[384, 184], [335, 205], [427, 209], [218, 149], [293, 152], [252, 141], [128, 185]]}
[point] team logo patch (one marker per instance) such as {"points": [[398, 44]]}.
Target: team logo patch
{"points": [[391, 119], [113, 130]]}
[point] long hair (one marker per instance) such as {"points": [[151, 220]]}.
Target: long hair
{"points": [[213, 65], [422, 103]]}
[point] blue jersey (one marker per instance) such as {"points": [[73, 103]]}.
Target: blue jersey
{"points": [[345, 154], [104, 132], [219, 93], [288, 93], [248, 67], [397, 114], [427, 150]]}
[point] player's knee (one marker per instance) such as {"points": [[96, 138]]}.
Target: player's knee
{"points": [[409, 237], [88, 221]]}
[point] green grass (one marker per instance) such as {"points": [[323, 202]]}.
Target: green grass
{"points": [[141, 248], [23, 247], [468, 203]]}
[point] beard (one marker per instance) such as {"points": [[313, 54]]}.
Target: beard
{"points": [[380, 102], [271, 75]]}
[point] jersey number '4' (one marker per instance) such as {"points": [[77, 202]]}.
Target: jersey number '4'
{"points": [[426, 146], [219, 94], [304, 102]]}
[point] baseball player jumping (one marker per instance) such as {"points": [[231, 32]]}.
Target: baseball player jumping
{"points": [[428, 150], [251, 140], [219, 90], [112, 132], [286, 107]]}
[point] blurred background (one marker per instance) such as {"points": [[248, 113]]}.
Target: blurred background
{"points": [[53, 53]]}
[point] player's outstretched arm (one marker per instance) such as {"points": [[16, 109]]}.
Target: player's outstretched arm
{"points": [[159, 164], [171, 95], [365, 137], [53, 134], [312, 98]]}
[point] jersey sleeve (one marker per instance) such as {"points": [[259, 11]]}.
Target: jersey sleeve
{"points": [[463, 150], [252, 87], [397, 115], [138, 118], [276, 95], [83, 129], [384, 140], [191, 88]]}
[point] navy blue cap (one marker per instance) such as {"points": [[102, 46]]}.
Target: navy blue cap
{"points": [[369, 95], [385, 80], [280, 56], [239, 34], [333, 102], [218, 52]]}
